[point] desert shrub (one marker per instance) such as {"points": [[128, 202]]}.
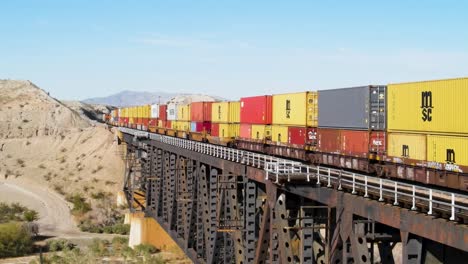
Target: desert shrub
{"points": [[145, 250], [121, 229], [80, 206], [99, 247], [14, 240], [99, 195], [42, 166], [59, 245], [12, 212], [59, 189], [30, 215]]}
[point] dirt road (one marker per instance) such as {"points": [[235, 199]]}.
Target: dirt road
{"points": [[54, 212]]}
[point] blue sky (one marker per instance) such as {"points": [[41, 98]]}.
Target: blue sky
{"points": [[81, 49]]}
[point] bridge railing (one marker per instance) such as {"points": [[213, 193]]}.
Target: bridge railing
{"points": [[421, 198]]}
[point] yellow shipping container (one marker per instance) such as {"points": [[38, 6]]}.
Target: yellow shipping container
{"points": [[229, 130], [279, 133], [220, 112], [146, 111], [296, 109], [260, 132], [183, 113], [448, 150], [180, 125], [410, 146], [234, 112], [225, 112], [431, 106]]}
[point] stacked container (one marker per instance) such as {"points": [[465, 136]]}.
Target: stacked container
{"points": [[200, 116], [162, 120], [225, 117], [352, 121], [428, 125], [183, 118], [256, 117], [294, 120]]}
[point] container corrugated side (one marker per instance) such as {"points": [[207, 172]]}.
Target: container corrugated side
{"points": [[163, 112], [154, 111], [220, 112], [279, 134], [245, 131], [295, 109], [234, 112], [172, 112], [406, 146], [447, 152], [226, 130], [256, 110], [260, 132], [359, 108], [183, 112], [431, 106], [200, 111]]}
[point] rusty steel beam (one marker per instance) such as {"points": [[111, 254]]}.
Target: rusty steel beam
{"points": [[439, 230]]}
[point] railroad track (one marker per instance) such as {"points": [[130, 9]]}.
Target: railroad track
{"points": [[431, 201]]}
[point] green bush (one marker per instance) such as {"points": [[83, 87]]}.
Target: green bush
{"points": [[145, 250], [13, 212], [99, 247], [14, 240], [80, 206], [121, 229], [59, 245], [30, 216], [119, 244]]}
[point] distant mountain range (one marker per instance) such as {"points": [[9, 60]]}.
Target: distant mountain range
{"points": [[131, 98]]}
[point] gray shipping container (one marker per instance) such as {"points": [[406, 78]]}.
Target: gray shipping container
{"points": [[360, 108]]}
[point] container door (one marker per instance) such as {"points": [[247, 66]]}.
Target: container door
{"points": [[378, 102], [312, 109]]}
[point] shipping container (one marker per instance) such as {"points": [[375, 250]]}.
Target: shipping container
{"points": [[302, 136], [220, 112], [154, 111], [431, 106], [153, 122], [360, 108], [200, 127], [447, 152], [245, 131], [146, 111], [295, 109], [163, 112], [162, 123], [181, 125], [172, 112], [261, 132], [406, 146], [183, 112], [279, 134], [226, 130], [168, 123], [225, 112], [356, 143], [256, 110], [200, 111]]}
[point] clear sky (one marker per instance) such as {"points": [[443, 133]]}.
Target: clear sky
{"points": [[81, 49]]}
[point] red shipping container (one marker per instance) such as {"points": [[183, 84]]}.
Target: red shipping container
{"points": [[378, 142], [328, 140], [355, 143], [245, 131], [302, 136], [351, 142], [256, 110], [200, 127], [163, 112], [168, 124], [145, 122], [215, 130], [153, 122], [200, 111]]}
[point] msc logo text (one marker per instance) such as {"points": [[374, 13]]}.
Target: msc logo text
{"points": [[426, 106]]}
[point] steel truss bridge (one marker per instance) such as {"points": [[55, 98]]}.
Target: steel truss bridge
{"points": [[225, 205]]}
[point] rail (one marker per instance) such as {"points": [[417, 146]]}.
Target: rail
{"points": [[423, 199]]}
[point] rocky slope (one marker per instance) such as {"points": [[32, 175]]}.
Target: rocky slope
{"points": [[45, 143]]}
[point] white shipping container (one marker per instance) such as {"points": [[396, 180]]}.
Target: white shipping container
{"points": [[154, 111], [171, 111]]}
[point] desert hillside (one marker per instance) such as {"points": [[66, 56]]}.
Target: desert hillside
{"points": [[46, 145]]}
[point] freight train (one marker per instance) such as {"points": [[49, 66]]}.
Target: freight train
{"points": [[412, 131]]}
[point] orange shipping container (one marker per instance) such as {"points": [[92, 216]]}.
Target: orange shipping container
{"points": [[200, 111]]}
